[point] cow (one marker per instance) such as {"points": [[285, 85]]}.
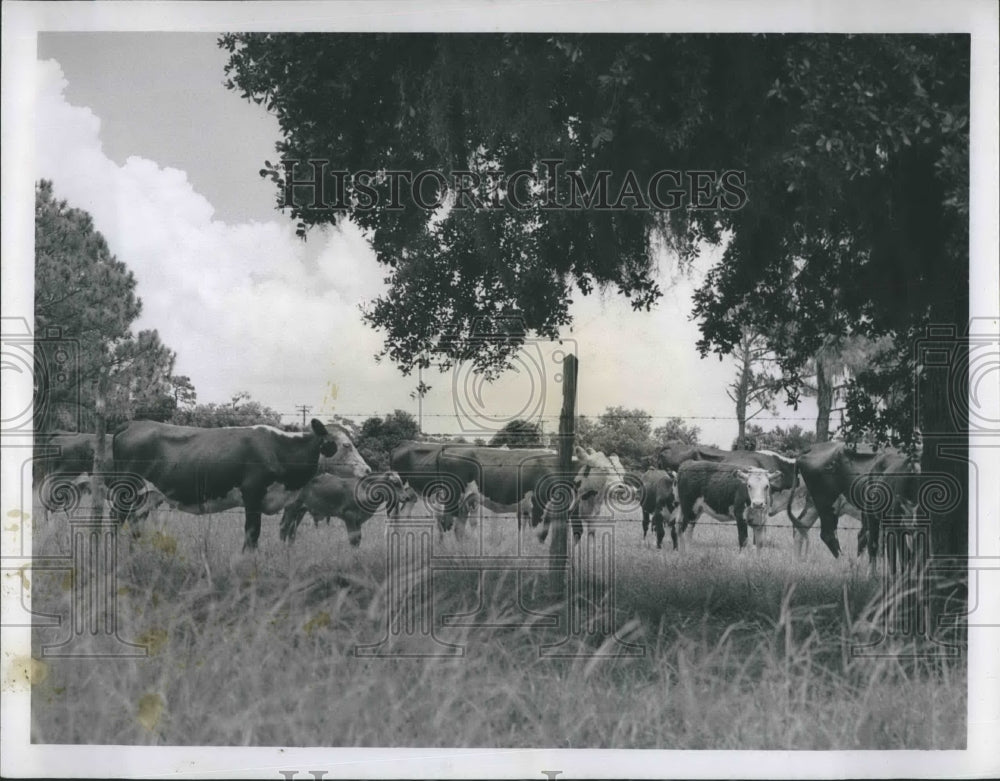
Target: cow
{"points": [[352, 499], [675, 453], [455, 477], [726, 490], [64, 477], [596, 478], [890, 488], [656, 494], [206, 470], [828, 469], [807, 518]]}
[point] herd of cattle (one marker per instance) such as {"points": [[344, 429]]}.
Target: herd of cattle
{"points": [[267, 471]]}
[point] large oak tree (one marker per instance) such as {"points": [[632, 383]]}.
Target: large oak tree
{"points": [[855, 151]]}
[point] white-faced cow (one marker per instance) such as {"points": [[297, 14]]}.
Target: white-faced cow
{"points": [[207, 470], [656, 495], [725, 491], [597, 478], [353, 500]]}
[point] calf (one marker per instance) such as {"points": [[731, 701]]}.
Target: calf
{"points": [[63, 477], [352, 499], [726, 492], [656, 495]]}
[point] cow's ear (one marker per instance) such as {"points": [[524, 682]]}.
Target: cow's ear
{"points": [[318, 428], [774, 477]]}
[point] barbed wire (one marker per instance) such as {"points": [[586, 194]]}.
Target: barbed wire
{"points": [[704, 520], [555, 416]]}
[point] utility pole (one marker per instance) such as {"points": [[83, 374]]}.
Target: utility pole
{"points": [[303, 408]]}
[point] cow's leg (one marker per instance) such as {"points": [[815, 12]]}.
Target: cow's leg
{"points": [[353, 524], [681, 538], [870, 524], [645, 523], [658, 527], [675, 521], [758, 535], [828, 529], [290, 520], [741, 525], [251, 529]]}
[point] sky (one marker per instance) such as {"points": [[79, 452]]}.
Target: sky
{"points": [[139, 130]]}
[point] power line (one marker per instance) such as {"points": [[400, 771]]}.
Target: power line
{"points": [[303, 408]]}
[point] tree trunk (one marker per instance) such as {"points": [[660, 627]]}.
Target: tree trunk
{"points": [[741, 399], [824, 400], [97, 489]]}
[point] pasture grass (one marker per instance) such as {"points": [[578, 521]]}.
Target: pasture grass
{"points": [[738, 651]]}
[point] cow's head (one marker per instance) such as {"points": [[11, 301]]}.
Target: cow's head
{"points": [[759, 485], [341, 456], [597, 474]]}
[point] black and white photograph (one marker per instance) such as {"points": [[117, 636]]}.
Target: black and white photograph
{"points": [[500, 390]]}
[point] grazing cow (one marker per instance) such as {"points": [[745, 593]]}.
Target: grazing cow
{"points": [[726, 490], [502, 480], [203, 471], [675, 453], [455, 477], [68, 470], [656, 495], [828, 469], [352, 499]]}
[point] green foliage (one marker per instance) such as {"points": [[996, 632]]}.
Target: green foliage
{"points": [[182, 391], [83, 290], [790, 441], [240, 411], [519, 434], [378, 437], [624, 432], [676, 430]]}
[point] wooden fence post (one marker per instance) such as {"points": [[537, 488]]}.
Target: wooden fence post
{"points": [[559, 547]]}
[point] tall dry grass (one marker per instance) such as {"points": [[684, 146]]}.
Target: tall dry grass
{"points": [[739, 651]]}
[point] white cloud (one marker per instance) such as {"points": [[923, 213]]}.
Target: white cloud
{"points": [[249, 306], [240, 303]]}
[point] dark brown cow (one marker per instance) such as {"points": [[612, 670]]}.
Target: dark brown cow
{"points": [[203, 471], [497, 477], [829, 470], [353, 500], [656, 494], [675, 453], [890, 489]]}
